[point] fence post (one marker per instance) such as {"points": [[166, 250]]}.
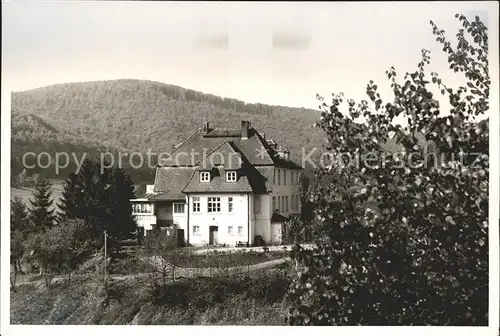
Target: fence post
{"points": [[209, 265], [105, 257]]}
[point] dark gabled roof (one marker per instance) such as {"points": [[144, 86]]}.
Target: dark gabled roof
{"points": [[225, 155], [223, 132], [216, 149], [218, 183], [171, 181], [167, 196], [191, 151], [267, 174], [278, 161]]}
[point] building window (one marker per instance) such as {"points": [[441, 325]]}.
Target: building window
{"points": [[292, 202], [214, 204], [284, 177], [274, 204], [142, 208], [257, 203], [240, 230], [231, 176], [230, 230], [204, 176], [282, 208], [274, 177], [179, 208], [279, 177], [230, 204], [196, 230], [292, 181], [196, 204], [286, 204]]}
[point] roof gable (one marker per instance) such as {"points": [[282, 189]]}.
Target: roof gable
{"points": [[225, 155], [198, 145]]}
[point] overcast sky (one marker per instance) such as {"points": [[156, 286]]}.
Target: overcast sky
{"points": [[227, 48]]}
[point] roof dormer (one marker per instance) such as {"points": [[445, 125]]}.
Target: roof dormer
{"points": [[205, 176], [231, 176]]}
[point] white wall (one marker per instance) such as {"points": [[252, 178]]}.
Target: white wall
{"points": [[224, 219], [262, 221], [280, 189], [180, 219]]}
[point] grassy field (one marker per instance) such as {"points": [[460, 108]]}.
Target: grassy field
{"points": [[26, 193], [256, 300], [227, 260]]}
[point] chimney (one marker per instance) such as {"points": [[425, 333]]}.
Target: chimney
{"points": [[245, 125], [286, 154], [272, 144], [205, 127]]}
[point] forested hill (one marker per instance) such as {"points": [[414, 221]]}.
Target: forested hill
{"points": [[32, 134], [139, 115]]}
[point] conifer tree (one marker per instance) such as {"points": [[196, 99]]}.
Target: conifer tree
{"points": [[19, 229], [102, 199], [18, 215], [82, 196], [120, 190], [42, 213]]}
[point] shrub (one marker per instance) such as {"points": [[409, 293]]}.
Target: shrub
{"points": [[407, 243]]}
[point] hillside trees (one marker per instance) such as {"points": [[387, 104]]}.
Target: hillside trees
{"points": [[60, 249], [35, 137], [420, 257], [125, 113], [19, 226]]}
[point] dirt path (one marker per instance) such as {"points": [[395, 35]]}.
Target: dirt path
{"points": [[180, 272]]}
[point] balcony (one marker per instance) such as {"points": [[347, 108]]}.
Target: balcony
{"points": [[145, 220]]}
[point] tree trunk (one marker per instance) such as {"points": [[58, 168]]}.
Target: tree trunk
{"points": [[68, 280], [13, 282]]}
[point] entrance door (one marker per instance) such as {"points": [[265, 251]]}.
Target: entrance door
{"points": [[180, 237], [212, 238]]}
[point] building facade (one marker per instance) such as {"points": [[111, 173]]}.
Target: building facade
{"points": [[222, 187]]}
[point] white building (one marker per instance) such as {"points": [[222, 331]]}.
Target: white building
{"points": [[222, 186]]}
